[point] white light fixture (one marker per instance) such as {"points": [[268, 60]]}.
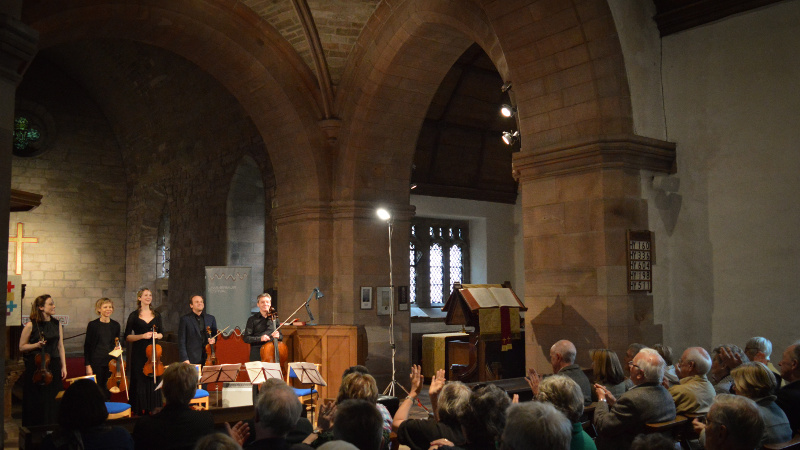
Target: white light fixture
{"points": [[508, 111], [383, 214], [510, 138]]}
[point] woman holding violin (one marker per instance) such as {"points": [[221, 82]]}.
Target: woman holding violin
{"points": [[139, 331], [100, 340], [42, 344], [261, 327]]}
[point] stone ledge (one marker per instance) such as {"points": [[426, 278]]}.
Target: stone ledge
{"points": [[619, 151]]}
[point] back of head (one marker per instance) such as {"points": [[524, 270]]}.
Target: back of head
{"points": [[634, 348], [357, 368], [567, 351], [565, 394], [733, 348], [360, 423], [701, 359], [358, 386], [742, 419], [536, 425], [217, 441], [652, 365], [753, 380], [606, 367], [665, 351], [453, 398], [484, 418], [758, 344], [653, 441], [278, 408], [83, 406], [180, 383]]}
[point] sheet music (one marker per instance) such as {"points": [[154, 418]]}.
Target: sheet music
{"points": [[307, 373], [220, 373], [259, 372]]}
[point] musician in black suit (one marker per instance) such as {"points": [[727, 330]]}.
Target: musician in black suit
{"points": [[261, 327], [192, 333]]}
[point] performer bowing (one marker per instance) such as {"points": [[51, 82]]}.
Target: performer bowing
{"points": [[139, 331], [42, 337], [192, 332], [100, 340], [260, 327]]}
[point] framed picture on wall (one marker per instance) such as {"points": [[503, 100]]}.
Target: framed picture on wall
{"points": [[402, 298], [366, 297], [384, 300]]}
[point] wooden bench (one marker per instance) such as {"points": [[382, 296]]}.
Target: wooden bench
{"points": [[679, 428], [30, 438]]}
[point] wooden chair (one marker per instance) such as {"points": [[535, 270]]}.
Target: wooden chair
{"points": [[116, 410], [200, 398], [676, 428], [794, 444], [307, 396]]}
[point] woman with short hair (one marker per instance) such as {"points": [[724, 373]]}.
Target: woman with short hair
{"points": [[101, 335]]}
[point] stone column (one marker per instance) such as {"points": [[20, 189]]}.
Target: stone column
{"points": [[17, 49], [578, 200]]}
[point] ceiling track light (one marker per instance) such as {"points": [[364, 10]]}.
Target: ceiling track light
{"points": [[506, 86], [510, 138], [508, 110]]}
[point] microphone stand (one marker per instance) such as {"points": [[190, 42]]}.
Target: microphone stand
{"points": [[315, 292]]}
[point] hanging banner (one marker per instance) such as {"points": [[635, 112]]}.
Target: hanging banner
{"points": [[14, 301], [228, 295]]}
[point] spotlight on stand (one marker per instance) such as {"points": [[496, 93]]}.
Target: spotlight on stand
{"points": [[510, 138], [506, 86], [508, 111], [383, 214]]}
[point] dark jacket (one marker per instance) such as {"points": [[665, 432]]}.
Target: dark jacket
{"points": [[645, 403], [788, 398], [176, 427], [192, 340], [575, 372]]}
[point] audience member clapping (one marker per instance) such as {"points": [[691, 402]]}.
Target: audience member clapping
{"points": [[535, 425], [566, 396], [81, 420], [721, 366], [608, 371]]}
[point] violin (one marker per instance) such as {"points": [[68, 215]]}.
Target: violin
{"points": [[117, 381], [42, 376], [211, 353], [270, 352], [153, 351]]}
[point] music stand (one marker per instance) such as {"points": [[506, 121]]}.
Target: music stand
{"points": [[259, 371], [307, 373], [219, 374]]}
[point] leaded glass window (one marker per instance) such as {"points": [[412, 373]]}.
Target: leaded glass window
{"points": [[438, 258]]}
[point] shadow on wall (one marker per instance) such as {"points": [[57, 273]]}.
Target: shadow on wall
{"points": [[667, 200], [560, 321]]}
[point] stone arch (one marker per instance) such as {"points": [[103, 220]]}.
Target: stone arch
{"points": [[230, 42], [564, 59]]}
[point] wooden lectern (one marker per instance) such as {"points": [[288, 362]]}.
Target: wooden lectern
{"points": [[496, 348]]}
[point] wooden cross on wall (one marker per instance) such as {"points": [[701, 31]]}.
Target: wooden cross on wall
{"points": [[19, 240]]}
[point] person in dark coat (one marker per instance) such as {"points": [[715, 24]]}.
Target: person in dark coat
{"points": [[101, 335], [788, 397], [193, 333]]}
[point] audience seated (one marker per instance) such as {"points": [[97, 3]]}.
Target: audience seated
{"points": [[217, 441], [789, 395], [362, 386], [720, 375], [562, 358], [567, 397], [630, 353], [733, 423], [695, 393], [535, 425], [177, 426], [756, 382], [80, 419], [618, 421], [759, 349], [277, 411], [669, 373], [608, 371], [358, 422], [482, 420], [446, 401]]}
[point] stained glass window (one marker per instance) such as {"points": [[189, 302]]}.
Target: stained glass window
{"points": [[163, 247], [455, 264], [413, 272], [439, 258], [436, 272], [24, 134]]}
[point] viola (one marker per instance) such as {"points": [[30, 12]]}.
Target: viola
{"points": [[42, 375], [117, 381], [211, 353], [270, 352], [154, 366]]}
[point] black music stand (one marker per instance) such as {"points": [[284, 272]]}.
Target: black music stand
{"points": [[219, 374]]}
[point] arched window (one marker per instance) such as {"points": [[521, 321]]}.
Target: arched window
{"points": [[439, 257], [162, 246]]}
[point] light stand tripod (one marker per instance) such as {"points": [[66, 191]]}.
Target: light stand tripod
{"points": [[384, 215]]}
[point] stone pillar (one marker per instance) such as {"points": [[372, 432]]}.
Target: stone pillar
{"points": [[578, 200], [17, 49]]}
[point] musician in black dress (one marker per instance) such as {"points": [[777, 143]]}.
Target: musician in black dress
{"points": [[42, 332], [139, 331], [192, 333], [100, 335], [260, 327]]}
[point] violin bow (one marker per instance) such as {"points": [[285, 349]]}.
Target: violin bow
{"points": [[153, 353]]}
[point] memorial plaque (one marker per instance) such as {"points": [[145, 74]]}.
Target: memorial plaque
{"points": [[640, 261]]}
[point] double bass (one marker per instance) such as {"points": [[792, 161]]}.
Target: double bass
{"points": [[275, 353], [154, 366], [42, 375], [116, 381]]}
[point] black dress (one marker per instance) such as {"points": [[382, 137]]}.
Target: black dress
{"points": [[144, 397], [39, 405], [99, 342]]}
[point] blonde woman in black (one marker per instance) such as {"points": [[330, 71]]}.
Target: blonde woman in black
{"points": [[139, 331], [100, 340], [42, 336]]}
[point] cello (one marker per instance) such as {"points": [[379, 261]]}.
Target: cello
{"points": [[116, 381], [154, 366], [42, 376], [275, 353]]}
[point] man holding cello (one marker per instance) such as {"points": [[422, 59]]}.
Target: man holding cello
{"points": [[261, 327], [193, 334]]}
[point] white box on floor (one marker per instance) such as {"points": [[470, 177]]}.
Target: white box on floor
{"points": [[237, 394]]}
